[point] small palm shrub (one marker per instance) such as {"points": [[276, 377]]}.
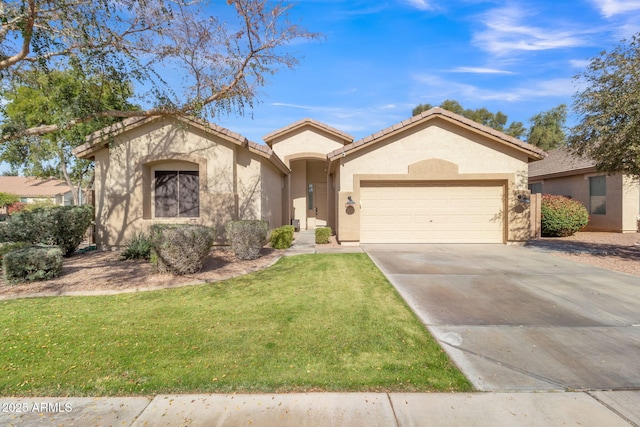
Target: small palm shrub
{"points": [[562, 216], [322, 235], [282, 237], [247, 237], [180, 248], [138, 247], [32, 263]]}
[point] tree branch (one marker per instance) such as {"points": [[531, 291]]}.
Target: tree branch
{"points": [[27, 33]]}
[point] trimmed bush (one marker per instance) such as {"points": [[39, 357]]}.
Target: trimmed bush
{"points": [[322, 235], [282, 237], [62, 226], [32, 263], [180, 248], [7, 247], [562, 216], [247, 237], [138, 247]]}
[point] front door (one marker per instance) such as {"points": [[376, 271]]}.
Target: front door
{"points": [[321, 204], [317, 205]]}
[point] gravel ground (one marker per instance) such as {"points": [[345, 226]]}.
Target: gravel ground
{"points": [[614, 251]]}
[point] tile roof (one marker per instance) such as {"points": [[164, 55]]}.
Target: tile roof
{"points": [[102, 137], [26, 186], [559, 161], [300, 123], [535, 153]]}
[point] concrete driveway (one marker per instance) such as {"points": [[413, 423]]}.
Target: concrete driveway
{"points": [[517, 319]]}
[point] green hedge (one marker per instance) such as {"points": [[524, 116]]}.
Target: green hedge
{"points": [[62, 226], [282, 237], [7, 247], [322, 235], [180, 248], [32, 263], [562, 216], [247, 237]]}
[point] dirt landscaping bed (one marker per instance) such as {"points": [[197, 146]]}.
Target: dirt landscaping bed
{"points": [[615, 251], [105, 271]]}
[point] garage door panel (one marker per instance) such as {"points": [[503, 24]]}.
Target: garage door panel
{"points": [[431, 214]]}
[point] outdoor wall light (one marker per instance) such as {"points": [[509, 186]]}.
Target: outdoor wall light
{"points": [[523, 198], [350, 206]]}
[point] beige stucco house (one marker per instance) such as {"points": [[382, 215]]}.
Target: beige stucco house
{"points": [[180, 170], [435, 178], [613, 200]]}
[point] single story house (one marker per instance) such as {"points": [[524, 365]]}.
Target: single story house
{"points": [[435, 178], [613, 200], [37, 190]]}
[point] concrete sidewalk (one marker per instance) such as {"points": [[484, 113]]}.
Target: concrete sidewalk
{"points": [[305, 243], [613, 408]]}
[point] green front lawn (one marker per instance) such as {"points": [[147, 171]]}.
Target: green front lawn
{"points": [[308, 323]]}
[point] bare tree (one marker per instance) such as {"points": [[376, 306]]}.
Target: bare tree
{"points": [[222, 52]]}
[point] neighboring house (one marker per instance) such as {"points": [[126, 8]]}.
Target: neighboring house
{"points": [[435, 178], [613, 201], [35, 190]]}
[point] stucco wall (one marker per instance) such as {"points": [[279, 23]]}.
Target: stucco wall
{"points": [[231, 179], [307, 139], [631, 204], [437, 150]]}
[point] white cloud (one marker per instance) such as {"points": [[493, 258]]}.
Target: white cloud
{"points": [[507, 30], [440, 89], [420, 4], [609, 8], [579, 63], [479, 70]]}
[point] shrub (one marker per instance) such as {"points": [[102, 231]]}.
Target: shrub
{"points": [[16, 207], [322, 235], [282, 237], [180, 248], [62, 226], [138, 247], [562, 216], [247, 237], [7, 247], [32, 263]]}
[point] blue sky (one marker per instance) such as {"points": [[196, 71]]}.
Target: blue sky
{"points": [[379, 59]]}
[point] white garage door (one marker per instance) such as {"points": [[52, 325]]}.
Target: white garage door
{"points": [[416, 213]]}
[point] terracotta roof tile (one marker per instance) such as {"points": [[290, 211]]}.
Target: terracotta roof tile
{"points": [[32, 187], [536, 153], [559, 161], [272, 135]]}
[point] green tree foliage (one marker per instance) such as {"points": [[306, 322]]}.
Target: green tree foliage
{"points": [[222, 52], [609, 125], [483, 116], [547, 128], [57, 97], [7, 199]]}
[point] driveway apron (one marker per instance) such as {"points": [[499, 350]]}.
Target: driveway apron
{"points": [[517, 319]]}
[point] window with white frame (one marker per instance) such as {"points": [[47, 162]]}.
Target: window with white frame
{"points": [[598, 195], [177, 194]]}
